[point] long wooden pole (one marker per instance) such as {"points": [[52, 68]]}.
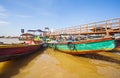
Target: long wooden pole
{"points": [[107, 32]]}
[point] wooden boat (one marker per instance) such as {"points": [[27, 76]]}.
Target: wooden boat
{"points": [[117, 43], [8, 51], [85, 46], [26, 36], [117, 49]]}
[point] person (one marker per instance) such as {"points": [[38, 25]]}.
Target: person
{"points": [[45, 39]]}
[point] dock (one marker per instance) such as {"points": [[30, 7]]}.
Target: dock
{"points": [[106, 27]]}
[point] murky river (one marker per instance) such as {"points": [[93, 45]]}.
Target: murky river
{"points": [[49, 63]]}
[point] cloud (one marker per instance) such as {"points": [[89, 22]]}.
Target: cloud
{"points": [[44, 8], [3, 22], [2, 9], [24, 16], [3, 15], [3, 12]]}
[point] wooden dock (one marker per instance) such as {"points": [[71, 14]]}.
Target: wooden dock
{"points": [[107, 27]]}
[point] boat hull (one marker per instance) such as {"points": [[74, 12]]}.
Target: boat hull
{"points": [[10, 51], [117, 49], [84, 47], [117, 43]]}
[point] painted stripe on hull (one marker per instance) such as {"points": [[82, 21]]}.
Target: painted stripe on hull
{"points": [[86, 47]]}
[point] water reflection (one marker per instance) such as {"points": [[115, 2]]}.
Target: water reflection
{"points": [[50, 63], [100, 65], [11, 68], [100, 57]]}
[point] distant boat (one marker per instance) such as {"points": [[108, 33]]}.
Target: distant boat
{"points": [[9, 51], [26, 36], [85, 46]]}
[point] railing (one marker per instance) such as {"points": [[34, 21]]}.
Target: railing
{"points": [[111, 26]]}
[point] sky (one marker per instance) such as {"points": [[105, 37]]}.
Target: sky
{"points": [[55, 14]]}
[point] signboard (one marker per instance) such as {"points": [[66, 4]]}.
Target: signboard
{"points": [[22, 30]]}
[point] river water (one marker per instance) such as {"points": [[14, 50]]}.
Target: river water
{"points": [[9, 40], [50, 63]]}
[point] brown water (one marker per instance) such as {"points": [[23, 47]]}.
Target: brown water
{"points": [[55, 64], [9, 40]]}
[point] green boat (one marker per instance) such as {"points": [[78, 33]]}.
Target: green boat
{"points": [[84, 46]]}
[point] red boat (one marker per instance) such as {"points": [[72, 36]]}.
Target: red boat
{"points": [[8, 51]]}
